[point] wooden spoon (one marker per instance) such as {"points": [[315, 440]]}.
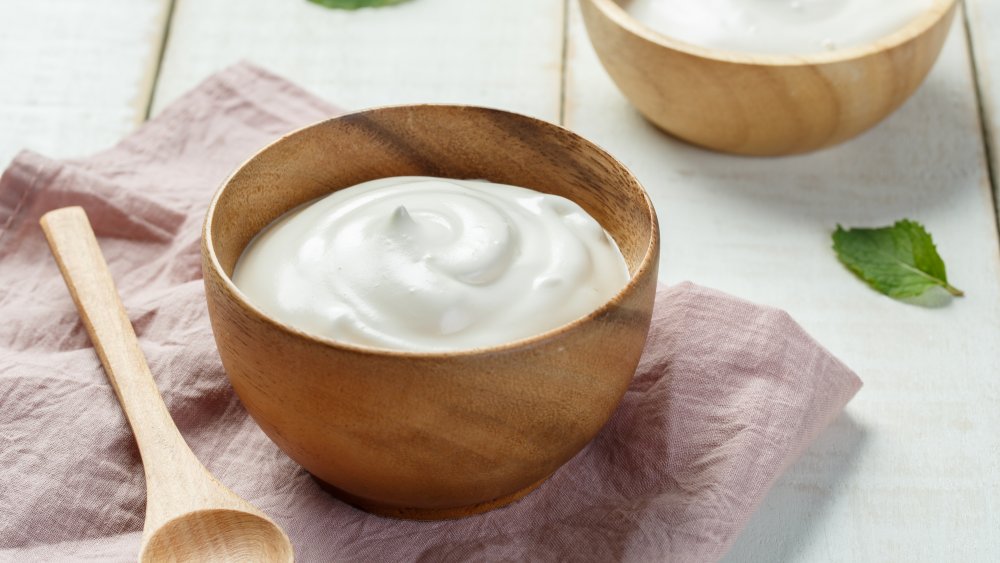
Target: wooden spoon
{"points": [[190, 516]]}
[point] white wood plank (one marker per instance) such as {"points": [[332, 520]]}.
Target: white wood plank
{"points": [[505, 54], [910, 472], [77, 76], [983, 23]]}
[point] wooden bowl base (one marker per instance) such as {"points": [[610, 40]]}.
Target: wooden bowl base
{"points": [[450, 513]]}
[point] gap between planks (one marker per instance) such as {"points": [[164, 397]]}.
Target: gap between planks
{"points": [[167, 25], [564, 61], [988, 141]]}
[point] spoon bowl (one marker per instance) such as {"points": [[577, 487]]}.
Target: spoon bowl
{"points": [[217, 535]]}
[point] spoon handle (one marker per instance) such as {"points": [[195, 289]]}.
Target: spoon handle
{"points": [[171, 469]]}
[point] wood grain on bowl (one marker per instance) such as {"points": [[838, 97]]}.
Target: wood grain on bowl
{"points": [[431, 435], [763, 104]]}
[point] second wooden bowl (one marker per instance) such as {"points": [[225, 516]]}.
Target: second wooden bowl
{"points": [[430, 435], [763, 104]]}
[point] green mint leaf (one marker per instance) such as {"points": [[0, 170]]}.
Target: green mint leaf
{"points": [[899, 261], [355, 4]]}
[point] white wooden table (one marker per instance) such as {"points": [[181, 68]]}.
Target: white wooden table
{"points": [[911, 471]]}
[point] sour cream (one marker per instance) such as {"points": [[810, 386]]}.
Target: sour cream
{"points": [[431, 264], [790, 27]]}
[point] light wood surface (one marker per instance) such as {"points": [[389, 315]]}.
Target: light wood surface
{"points": [[501, 54], [910, 472], [190, 516], [763, 104], [76, 76], [445, 434]]}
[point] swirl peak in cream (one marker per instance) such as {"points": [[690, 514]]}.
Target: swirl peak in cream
{"points": [[431, 264]]}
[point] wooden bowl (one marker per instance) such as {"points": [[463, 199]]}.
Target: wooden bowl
{"points": [[430, 435], [763, 104]]}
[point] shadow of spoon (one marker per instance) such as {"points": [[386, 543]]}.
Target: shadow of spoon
{"points": [[190, 516]]}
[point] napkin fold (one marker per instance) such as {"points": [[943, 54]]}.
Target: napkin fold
{"points": [[727, 393]]}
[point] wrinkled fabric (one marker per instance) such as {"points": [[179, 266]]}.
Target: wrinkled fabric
{"points": [[727, 394]]}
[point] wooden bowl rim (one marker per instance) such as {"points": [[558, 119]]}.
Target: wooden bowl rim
{"points": [[916, 28], [233, 293]]}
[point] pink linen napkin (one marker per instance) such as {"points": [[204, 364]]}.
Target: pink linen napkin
{"points": [[727, 395]]}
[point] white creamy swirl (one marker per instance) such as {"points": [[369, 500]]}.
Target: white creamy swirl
{"points": [[789, 27], [431, 264]]}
